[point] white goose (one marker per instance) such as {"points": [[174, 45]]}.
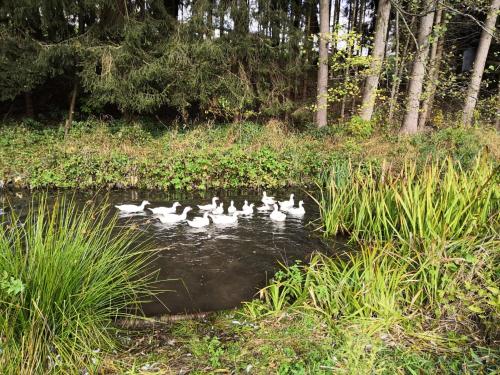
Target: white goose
{"points": [[165, 210], [225, 219], [219, 210], [264, 207], [267, 200], [245, 206], [199, 222], [276, 215], [209, 207], [248, 210], [231, 209], [173, 218], [286, 204], [130, 208], [297, 211]]}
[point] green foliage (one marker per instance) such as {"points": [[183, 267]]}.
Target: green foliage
{"points": [[358, 127], [458, 143], [10, 285], [96, 155], [65, 275], [245, 155]]}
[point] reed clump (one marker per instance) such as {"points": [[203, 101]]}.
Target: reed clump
{"points": [[440, 202], [65, 274], [424, 261]]}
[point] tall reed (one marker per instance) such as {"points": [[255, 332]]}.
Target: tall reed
{"points": [[441, 202], [65, 275]]}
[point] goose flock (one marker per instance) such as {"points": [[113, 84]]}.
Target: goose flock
{"points": [[214, 212]]}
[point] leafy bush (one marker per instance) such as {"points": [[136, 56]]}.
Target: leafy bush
{"points": [[358, 127]]}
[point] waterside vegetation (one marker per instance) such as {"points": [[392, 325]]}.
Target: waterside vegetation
{"points": [[97, 154], [66, 274]]}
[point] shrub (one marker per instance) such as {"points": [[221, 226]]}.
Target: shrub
{"points": [[358, 127]]}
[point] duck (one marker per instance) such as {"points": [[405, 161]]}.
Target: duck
{"points": [[245, 205], [174, 218], [231, 209], [267, 200], [248, 210], [297, 211], [276, 215], [199, 222], [219, 210], [288, 203], [131, 208], [264, 207], [225, 219], [165, 210], [209, 207]]}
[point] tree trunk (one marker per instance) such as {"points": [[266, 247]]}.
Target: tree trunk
{"points": [[479, 62], [336, 19], [371, 84], [210, 21], [395, 76], [399, 68], [28, 101], [434, 63], [239, 13], [497, 120], [71, 111], [321, 115], [410, 121], [222, 11]]}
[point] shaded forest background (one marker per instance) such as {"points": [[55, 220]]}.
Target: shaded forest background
{"points": [[233, 60]]}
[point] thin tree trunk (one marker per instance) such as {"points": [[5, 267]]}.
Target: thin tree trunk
{"points": [[371, 85], [28, 101], [336, 19], [399, 70], [210, 22], [307, 49], [395, 77], [71, 111], [497, 120], [434, 63], [479, 62], [222, 10], [321, 115], [410, 121]]}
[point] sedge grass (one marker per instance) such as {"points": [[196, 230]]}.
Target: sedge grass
{"points": [[443, 202], [75, 274]]}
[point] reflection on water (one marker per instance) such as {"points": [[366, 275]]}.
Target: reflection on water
{"points": [[209, 268]]}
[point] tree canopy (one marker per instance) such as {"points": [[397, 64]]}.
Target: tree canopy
{"points": [[230, 59]]}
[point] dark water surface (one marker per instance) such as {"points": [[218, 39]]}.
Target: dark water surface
{"points": [[210, 268]]}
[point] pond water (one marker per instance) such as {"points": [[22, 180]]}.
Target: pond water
{"points": [[210, 268]]}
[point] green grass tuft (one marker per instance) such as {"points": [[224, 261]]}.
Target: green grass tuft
{"points": [[65, 275]]}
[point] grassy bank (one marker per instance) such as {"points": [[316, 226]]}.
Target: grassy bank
{"points": [[289, 343], [142, 155], [65, 275]]}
